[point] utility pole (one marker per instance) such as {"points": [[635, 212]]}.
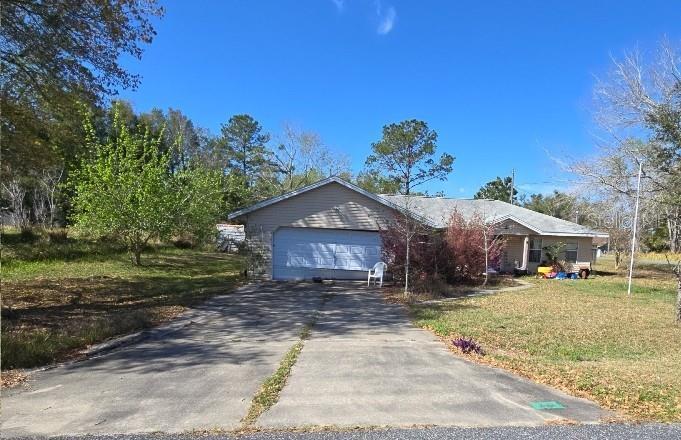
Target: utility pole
{"points": [[512, 185], [633, 235]]}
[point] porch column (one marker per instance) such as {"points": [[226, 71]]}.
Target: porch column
{"points": [[526, 252]]}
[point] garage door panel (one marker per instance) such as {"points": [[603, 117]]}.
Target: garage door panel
{"points": [[330, 253]]}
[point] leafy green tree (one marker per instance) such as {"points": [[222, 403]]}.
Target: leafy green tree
{"points": [[125, 190], [73, 44], [56, 54], [200, 205], [374, 182], [497, 189], [191, 148], [245, 147], [558, 204], [179, 136], [406, 155]]}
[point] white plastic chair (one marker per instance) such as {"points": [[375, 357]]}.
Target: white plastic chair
{"points": [[377, 273]]}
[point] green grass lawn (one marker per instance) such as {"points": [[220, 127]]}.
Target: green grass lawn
{"points": [[58, 298], [584, 336]]}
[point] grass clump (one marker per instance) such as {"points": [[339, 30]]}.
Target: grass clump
{"points": [[269, 392], [583, 336]]}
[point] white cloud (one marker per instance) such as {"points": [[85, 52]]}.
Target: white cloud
{"points": [[340, 4], [386, 19]]}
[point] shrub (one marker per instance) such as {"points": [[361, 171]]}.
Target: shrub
{"points": [[426, 257], [183, 243], [435, 257], [468, 345], [553, 253], [57, 235], [471, 242], [27, 235]]}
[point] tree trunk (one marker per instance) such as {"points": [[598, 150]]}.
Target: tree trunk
{"points": [[136, 247], [618, 259], [484, 234], [678, 297], [406, 265], [136, 256]]}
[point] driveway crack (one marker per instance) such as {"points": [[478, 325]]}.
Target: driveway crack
{"points": [[270, 390]]}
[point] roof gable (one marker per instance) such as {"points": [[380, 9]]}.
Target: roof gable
{"points": [[311, 187]]}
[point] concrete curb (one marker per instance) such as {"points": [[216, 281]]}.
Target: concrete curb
{"points": [[523, 286]]}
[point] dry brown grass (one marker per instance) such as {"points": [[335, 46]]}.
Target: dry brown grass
{"points": [[431, 290], [583, 336]]}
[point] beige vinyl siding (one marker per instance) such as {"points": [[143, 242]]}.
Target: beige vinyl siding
{"points": [[330, 206]]}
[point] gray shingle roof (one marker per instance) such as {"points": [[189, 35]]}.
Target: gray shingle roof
{"points": [[438, 209]]}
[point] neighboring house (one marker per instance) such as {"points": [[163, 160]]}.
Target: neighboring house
{"points": [[330, 229]]}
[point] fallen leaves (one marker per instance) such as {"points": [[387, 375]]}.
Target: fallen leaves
{"points": [[11, 378]]}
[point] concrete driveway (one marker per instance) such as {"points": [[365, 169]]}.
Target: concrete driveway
{"points": [[201, 376], [364, 364]]}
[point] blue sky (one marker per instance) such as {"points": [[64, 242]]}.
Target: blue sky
{"points": [[501, 82]]}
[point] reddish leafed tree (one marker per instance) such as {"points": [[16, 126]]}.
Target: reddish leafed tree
{"points": [[425, 247], [472, 246]]}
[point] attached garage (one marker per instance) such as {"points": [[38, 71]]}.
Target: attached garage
{"points": [[303, 253], [329, 229]]}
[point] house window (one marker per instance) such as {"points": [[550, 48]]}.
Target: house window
{"points": [[535, 250], [571, 252]]}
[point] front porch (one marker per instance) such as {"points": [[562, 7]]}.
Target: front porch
{"points": [[526, 251]]}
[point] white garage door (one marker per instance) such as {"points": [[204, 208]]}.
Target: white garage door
{"points": [[303, 253]]}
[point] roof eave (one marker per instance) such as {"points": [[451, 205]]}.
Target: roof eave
{"points": [[593, 234]]}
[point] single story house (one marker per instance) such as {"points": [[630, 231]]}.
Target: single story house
{"points": [[330, 229]]}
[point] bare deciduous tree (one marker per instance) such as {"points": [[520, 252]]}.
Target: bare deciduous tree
{"points": [[639, 108], [302, 158], [39, 206], [49, 184], [16, 195]]}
